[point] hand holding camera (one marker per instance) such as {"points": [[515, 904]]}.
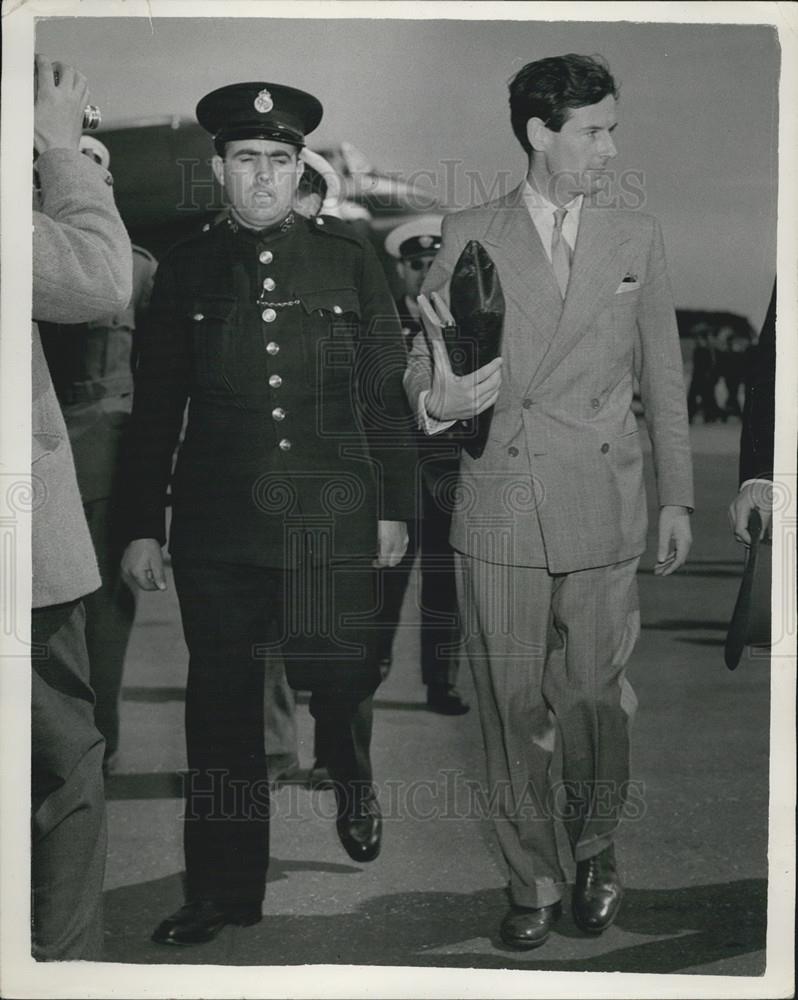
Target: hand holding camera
{"points": [[61, 106]]}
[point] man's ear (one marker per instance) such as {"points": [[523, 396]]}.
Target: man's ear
{"points": [[217, 165], [538, 135]]}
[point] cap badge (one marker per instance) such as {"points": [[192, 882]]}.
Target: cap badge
{"points": [[263, 102], [426, 241]]}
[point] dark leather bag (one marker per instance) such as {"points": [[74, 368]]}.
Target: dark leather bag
{"points": [[750, 623], [476, 302]]}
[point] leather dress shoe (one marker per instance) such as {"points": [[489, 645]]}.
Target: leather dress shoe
{"points": [[200, 921], [524, 928], [446, 700], [597, 893], [359, 827]]}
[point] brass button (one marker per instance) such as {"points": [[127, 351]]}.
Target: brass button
{"points": [[512, 452], [269, 284], [595, 404], [337, 310], [198, 317], [275, 381], [272, 347], [269, 315], [319, 221], [284, 445], [527, 403], [278, 413], [266, 257], [605, 448]]}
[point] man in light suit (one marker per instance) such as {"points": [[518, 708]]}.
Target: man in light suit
{"points": [[550, 521]]}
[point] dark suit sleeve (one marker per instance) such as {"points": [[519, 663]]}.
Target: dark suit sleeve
{"points": [[385, 413], [759, 416], [159, 400]]}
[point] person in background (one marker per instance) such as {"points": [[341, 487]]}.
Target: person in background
{"points": [[757, 445], [292, 485], [90, 365], [550, 520], [82, 270], [413, 246], [701, 394]]}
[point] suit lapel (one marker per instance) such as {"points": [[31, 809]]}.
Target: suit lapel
{"points": [[524, 269], [595, 274]]}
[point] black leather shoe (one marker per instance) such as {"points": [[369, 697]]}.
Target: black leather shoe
{"points": [[446, 701], [525, 929], [597, 892], [200, 921], [359, 827]]}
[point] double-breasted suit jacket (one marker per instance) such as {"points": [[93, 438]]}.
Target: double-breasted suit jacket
{"points": [[560, 482]]}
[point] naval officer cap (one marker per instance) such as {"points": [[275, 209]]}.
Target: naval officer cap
{"points": [[415, 238], [258, 111]]}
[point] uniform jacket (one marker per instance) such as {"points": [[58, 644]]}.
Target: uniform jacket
{"points": [[90, 365], [81, 271], [560, 483], [287, 346]]}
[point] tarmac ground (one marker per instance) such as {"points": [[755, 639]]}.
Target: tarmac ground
{"points": [[692, 850]]}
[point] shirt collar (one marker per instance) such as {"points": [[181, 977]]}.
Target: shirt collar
{"points": [[538, 205]]}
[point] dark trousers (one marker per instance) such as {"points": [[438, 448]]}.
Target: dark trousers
{"points": [[440, 631], [68, 830], [109, 620], [233, 616]]}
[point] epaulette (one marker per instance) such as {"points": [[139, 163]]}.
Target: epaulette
{"points": [[331, 225]]}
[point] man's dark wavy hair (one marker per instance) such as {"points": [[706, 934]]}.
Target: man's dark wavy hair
{"points": [[549, 88]]}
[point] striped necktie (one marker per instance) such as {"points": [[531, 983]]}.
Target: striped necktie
{"points": [[560, 251]]}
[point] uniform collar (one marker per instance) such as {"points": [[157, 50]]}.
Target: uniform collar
{"points": [[269, 232]]}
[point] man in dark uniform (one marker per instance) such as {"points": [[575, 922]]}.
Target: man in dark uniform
{"points": [[413, 246], [293, 480]]}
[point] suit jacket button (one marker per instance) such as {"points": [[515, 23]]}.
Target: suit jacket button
{"points": [[337, 310], [279, 414], [266, 257], [275, 381], [272, 347], [198, 317], [527, 403], [269, 315], [284, 445], [269, 284], [512, 451], [595, 404], [605, 448]]}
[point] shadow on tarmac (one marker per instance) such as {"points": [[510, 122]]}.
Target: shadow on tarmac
{"points": [[690, 926]]}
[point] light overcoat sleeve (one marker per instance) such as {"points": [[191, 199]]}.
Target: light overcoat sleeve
{"points": [[82, 260]]}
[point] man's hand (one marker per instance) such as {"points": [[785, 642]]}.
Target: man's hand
{"points": [[142, 565], [758, 495], [391, 542], [58, 108], [455, 397], [675, 539]]}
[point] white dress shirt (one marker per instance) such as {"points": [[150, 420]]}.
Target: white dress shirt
{"points": [[541, 211]]}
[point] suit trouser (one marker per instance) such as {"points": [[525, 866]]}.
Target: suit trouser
{"points": [[547, 653], [232, 615], [110, 612], [68, 827]]}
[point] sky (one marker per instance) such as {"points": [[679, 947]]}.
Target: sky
{"points": [[698, 112]]}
